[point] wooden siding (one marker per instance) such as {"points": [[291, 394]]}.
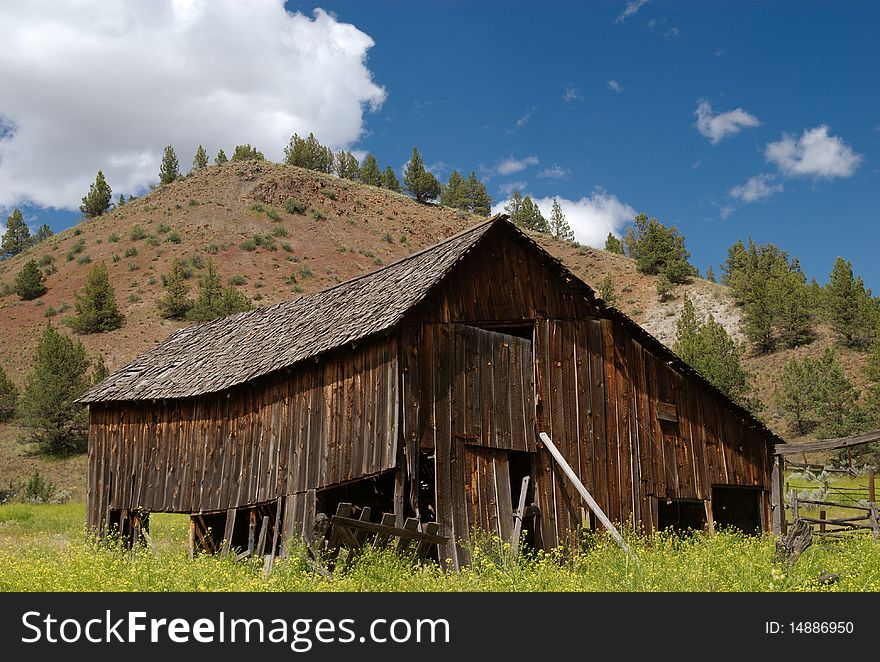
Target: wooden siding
{"points": [[312, 427]]}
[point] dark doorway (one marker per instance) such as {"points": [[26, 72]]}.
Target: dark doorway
{"points": [[680, 515], [427, 486], [520, 465], [737, 507], [376, 493]]}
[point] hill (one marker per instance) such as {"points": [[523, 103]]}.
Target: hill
{"points": [[236, 215]]}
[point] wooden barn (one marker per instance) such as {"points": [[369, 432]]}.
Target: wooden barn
{"points": [[420, 389]]}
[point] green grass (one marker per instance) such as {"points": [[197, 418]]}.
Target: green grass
{"points": [[44, 548]]}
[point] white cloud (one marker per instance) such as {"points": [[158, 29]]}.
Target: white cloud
{"points": [[571, 94], [717, 126], [615, 86], [814, 154], [106, 85], [556, 172], [631, 9], [511, 165], [591, 217], [726, 211], [756, 188], [522, 121], [507, 188]]}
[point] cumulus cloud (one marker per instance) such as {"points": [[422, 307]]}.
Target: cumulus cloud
{"points": [[512, 165], [814, 154], [719, 125], [615, 86], [631, 9], [556, 172], [756, 188], [591, 217], [106, 85]]}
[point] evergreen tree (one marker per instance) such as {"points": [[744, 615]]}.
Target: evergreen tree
{"points": [[390, 181], [347, 165], [121, 202], [607, 291], [57, 378], [658, 249], [201, 159], [8, 396], [788, 297], [420, 182], [17, 237], [706, 346], [710, 274], [97, 201], [559, 227], [664, 287], [95, 303], [797, 394], [872, 372], [455, 193], [213, 301], [220, 159], [613, 244], [30, 283], [176, 302], [479, 200], [233, 301], [369, 172], [851, 310], [525, 213], [308, 153], [246, 153], [99, 371], [43, 233], [169, 170], [736, 257]]}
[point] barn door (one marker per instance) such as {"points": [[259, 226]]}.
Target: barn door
{"points": [[493, 401]]}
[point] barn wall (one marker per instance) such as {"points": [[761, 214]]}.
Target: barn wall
{"points": [[317, 425]]}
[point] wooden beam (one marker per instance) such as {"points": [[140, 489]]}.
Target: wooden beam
{"points": [[585, 495], [227, 533], [412, 533], [794, 448], [264, 532], [518, 517], [777, 505]]}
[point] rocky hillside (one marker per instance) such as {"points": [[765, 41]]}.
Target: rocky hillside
{"points": [[235, 215]]}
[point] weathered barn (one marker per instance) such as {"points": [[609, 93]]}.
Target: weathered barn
{"points": [[420, 389]]}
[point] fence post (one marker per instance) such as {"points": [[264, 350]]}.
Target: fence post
{"points": [[822, 522], [872, 496]]}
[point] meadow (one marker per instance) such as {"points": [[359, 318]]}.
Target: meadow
{"points": [[44, 548]]}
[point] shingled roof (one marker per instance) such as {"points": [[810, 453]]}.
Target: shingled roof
{"points": [[216, 355]]}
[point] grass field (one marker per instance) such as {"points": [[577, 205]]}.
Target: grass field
{"points": [[43, 548]]}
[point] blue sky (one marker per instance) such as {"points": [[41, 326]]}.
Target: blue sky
{"points": [[728, 120]]}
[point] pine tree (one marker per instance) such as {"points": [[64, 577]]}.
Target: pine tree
{"points": [[390, 181], [30, 283], [8, 396], [247, 153], [233, 301], [706, 346], [57, 378], [455, 193], [170, 169], [734, 264], [220, 159], [838, 409], [208, 301], [788, 296], [97, 201], [43, 233], [176, 302], [479, 200], [872, 372], [559, 227], [613, 244], [710, 274], [607, 291], [369, 171], [95, 304], [797, 394], [201, 159], [664, 288], [308, 153], [420, 182], [658, 249], [99, 371], [347, 165], [525, 213], [850, 308], [17, 237], [121, 202]]}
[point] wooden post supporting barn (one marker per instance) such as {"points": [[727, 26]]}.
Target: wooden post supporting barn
{"points": [[417, 390]]}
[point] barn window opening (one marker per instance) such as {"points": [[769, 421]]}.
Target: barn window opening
{"points": [[680, 515], [520, 330], [375, 493], [737, 507]]}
